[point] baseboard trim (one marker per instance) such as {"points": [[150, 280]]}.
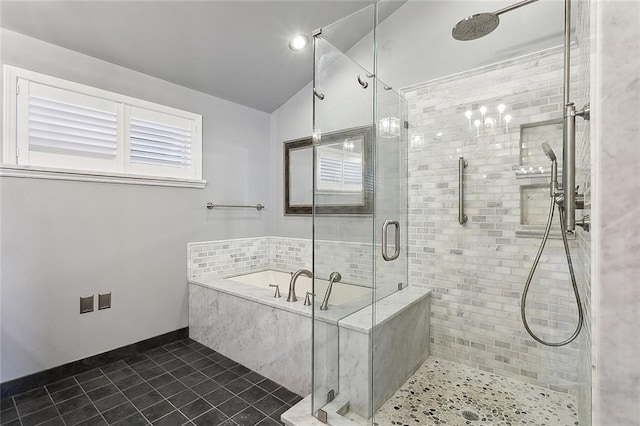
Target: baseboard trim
{"points": [[32, 381]]}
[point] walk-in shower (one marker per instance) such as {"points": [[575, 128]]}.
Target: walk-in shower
{"points": [[479, 25], [494, 113]]}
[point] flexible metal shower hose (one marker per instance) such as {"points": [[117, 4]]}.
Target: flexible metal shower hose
{"points": [[571, 272]]}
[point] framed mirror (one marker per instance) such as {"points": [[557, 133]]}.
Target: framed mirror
{"points": [[344, 177]]}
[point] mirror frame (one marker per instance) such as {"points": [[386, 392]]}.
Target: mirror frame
{"points": [[366, 208]]}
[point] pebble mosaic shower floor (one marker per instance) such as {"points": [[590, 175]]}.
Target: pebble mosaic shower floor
{"points": [[445, 393]]}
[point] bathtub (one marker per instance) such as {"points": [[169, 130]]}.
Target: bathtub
{"points": [[239, 317], [340, 294]]}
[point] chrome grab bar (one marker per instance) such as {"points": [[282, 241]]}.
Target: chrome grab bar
{"points": [[396, 251], [210, 206], [462, 164]]}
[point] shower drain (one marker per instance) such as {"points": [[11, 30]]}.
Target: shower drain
{"points": [[470, 415]]}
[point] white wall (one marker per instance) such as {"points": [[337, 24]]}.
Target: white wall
{"points": [[293, 120], [62, 240], [346, 105]]}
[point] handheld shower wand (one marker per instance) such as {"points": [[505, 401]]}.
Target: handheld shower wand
{"points": [[554, 167], [523, 304]]}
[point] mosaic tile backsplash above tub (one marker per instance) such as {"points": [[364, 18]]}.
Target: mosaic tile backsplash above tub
{"points": [[224, 258]]}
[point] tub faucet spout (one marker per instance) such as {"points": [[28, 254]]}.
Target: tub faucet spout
{"points": [[292, 284], [335, 277]]}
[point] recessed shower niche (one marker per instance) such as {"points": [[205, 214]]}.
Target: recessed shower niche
{"points": [[532, 136], [533, 171]]}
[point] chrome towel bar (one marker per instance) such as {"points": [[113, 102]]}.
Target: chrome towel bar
{"points": [[210, 206]]}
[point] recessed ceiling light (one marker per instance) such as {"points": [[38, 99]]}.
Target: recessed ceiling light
{"points": [[298, 42]]}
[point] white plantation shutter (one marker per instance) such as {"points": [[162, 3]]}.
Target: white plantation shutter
{"points": [[80, 130], [330, 170], [58, 126], [352, 178], [160, 143], [339, 170], [65, 129], [153, 143]]}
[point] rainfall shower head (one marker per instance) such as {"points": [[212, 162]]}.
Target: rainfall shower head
{"points": [[475, 26], [481, 24], [548, 151]]}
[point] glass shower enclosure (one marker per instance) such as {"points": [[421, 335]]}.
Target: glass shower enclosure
{"points": [[359, 221], [391, 170]]}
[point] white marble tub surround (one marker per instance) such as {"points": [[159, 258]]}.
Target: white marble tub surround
{"points": [[272, 341], [233, 311], [246, 323], [273, 337]]}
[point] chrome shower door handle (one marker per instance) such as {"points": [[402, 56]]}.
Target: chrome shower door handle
{"points": [[385, 228]]}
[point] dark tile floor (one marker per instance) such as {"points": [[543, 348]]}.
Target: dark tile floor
{"points": [[180, 383]]}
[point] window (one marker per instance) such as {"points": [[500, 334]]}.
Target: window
{"points": [[339, 170], [59, 128]]}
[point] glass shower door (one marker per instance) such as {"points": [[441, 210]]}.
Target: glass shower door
{"points": [[389, 345], [360, 220], [343, 222]]}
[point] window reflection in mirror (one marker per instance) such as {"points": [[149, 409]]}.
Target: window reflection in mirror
{"points": [[343, 167]]}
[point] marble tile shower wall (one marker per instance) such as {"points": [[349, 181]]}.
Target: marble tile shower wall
{"points": [[477, 271], [352, 260]]}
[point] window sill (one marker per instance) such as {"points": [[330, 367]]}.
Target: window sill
{"points": [[9, 170]]}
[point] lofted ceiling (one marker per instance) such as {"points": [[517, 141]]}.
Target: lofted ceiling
{"points": [[234, 50], [237, 50]]}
